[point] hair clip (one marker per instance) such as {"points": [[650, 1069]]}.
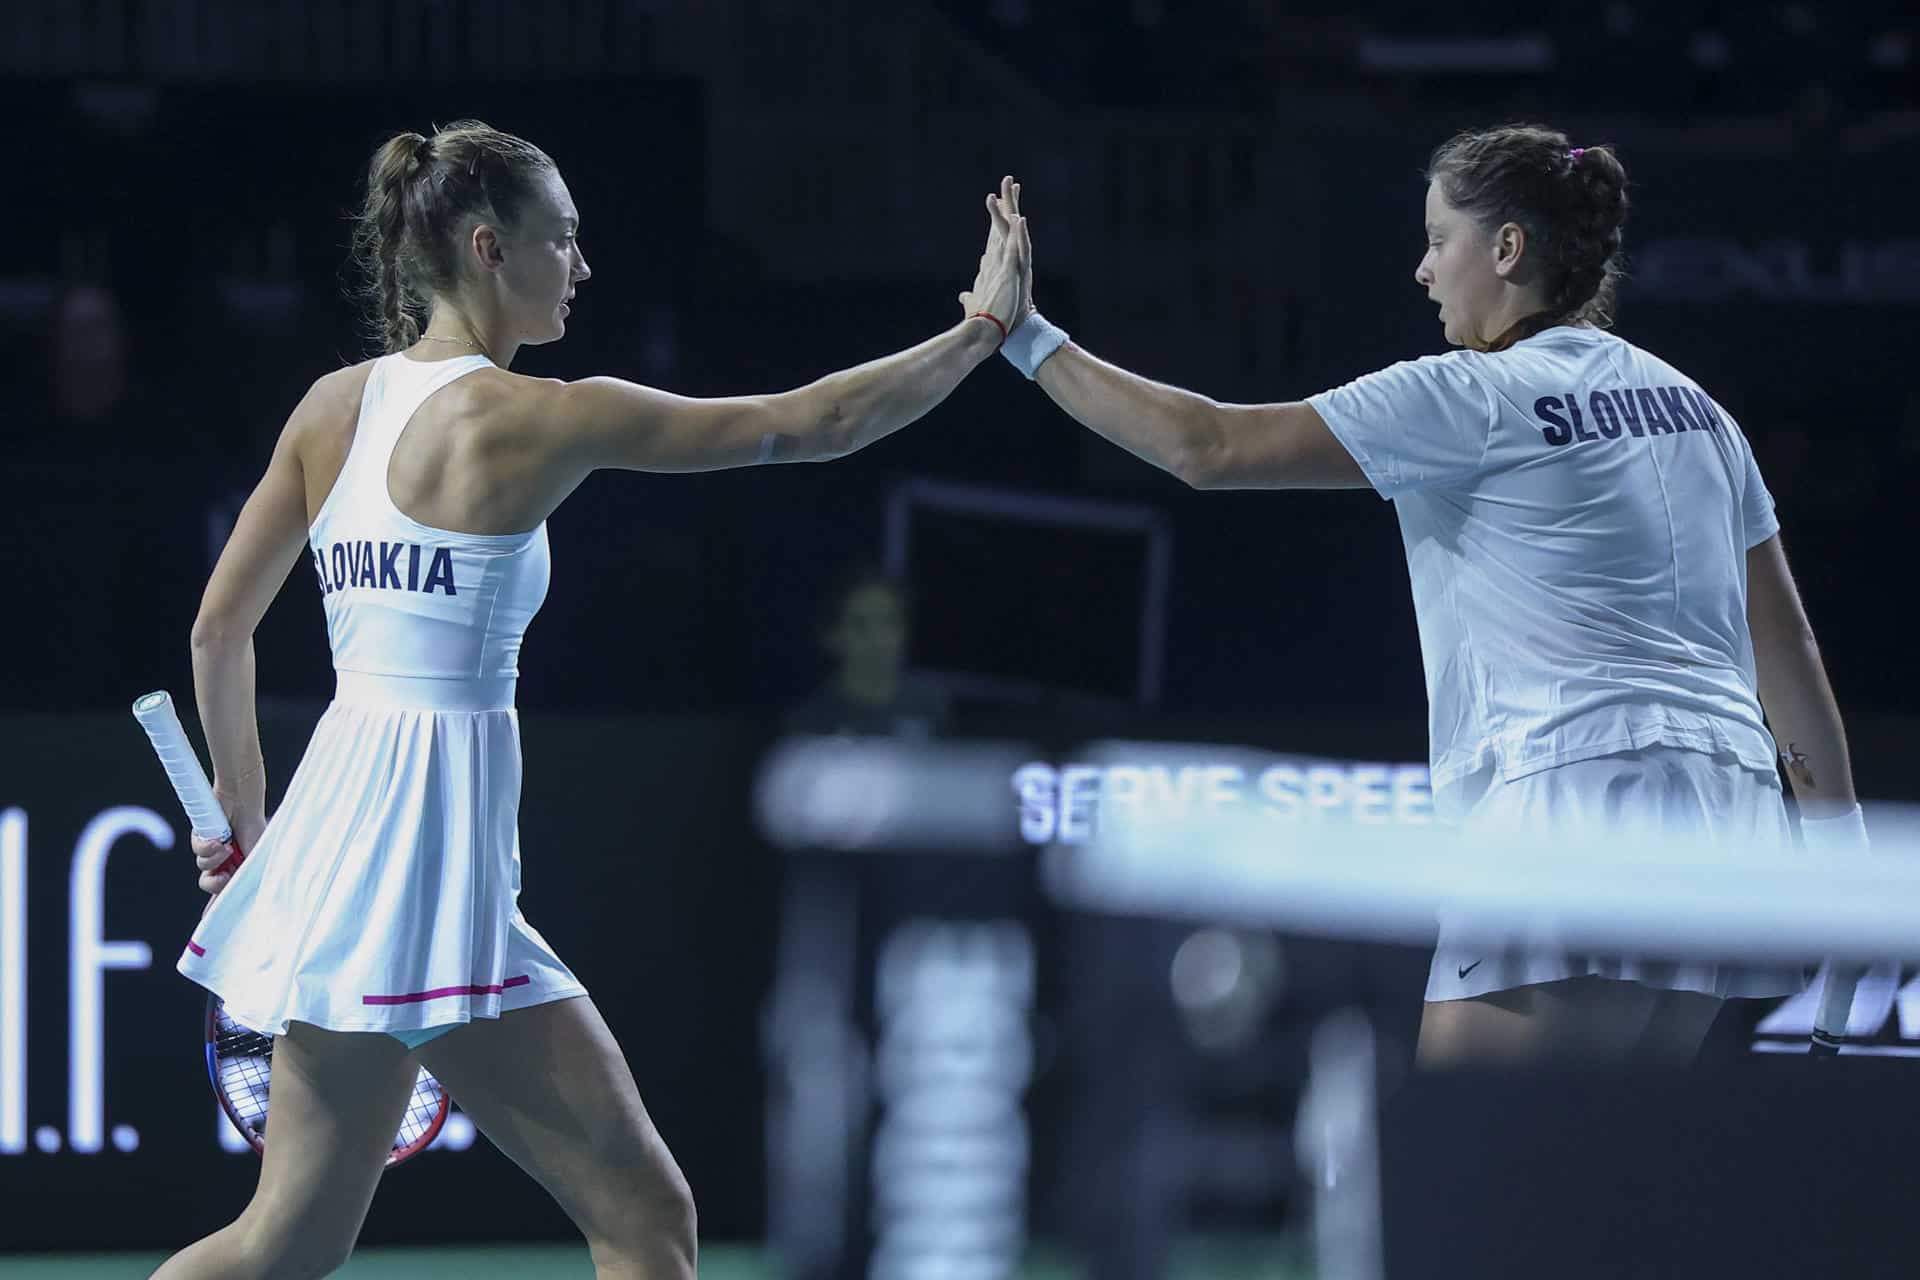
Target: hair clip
{"points": [[1573, 156]]}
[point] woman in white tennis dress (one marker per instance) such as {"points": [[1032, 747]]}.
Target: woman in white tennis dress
{"points": [[394, 908], [374, 926], [1602, 599]]}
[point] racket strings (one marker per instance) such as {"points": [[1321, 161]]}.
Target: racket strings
{"points": [[423, 1112], [243, 1064], [244, 1060]]}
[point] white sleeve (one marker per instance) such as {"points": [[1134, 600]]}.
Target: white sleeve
{"points": [[1419, 424], [1756, 501]]}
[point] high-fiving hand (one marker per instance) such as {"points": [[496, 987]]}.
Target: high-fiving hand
{"points": [[1026, 245], [1004, 285]]}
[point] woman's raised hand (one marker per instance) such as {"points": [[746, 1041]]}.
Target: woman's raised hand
{"points": [[1003, 287]]}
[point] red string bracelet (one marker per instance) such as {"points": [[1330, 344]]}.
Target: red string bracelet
{"points": [[997, 323]]}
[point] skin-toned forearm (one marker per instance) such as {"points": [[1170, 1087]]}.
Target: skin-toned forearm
{"points": [[1177, 431], [1806, 721], [223, 690], [849, 410]]}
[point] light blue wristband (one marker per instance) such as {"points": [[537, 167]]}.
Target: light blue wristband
{"points": [[1031, 342]]}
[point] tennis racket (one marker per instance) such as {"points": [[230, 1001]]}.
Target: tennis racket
{"points": [[239, 1059], [240, 1064], [1842, 835], [1830, 1023]]}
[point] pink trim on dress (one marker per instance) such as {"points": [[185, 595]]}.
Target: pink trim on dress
{"points": [[195, 947], [415, 997]]}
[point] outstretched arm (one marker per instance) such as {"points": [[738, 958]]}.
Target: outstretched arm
{"points": [[607, 422], [1205, 443]]}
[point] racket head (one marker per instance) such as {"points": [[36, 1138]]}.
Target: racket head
{"points": [[240, 1067], [425, 1116]]}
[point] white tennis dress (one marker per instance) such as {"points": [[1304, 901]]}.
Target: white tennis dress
{"points": [[382, 896], [1577, 514]]}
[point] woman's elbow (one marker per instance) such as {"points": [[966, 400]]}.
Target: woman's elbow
{"points": [[215, 634], [1786, 655], [1193, 472], [1204, 458], [1203, 464], [1781, 631], [837, 434], [807, 428]]}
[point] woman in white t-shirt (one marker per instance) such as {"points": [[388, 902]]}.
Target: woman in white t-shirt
{"points": [[1597, 575]]}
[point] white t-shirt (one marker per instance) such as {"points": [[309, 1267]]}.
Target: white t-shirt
{"points": [[1576, 514]]}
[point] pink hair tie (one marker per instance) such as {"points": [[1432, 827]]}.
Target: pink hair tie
{"points": [[1574, 156]]}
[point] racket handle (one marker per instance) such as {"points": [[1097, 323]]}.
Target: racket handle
{"points": [[157, 716], [1836, 1001]]}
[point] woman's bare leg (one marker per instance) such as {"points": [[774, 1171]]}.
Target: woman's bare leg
{"points": [[1576, 1020], [337, 1102], [550, 1087], [1679, 1026]]}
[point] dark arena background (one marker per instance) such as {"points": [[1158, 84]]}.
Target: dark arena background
{"points": [[876, 1037]]}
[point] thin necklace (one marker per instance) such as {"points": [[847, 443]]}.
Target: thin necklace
{"points": [[434, 337]]}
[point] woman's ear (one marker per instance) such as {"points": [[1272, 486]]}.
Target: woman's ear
{"points": [[486, 247], [1509, 247]]}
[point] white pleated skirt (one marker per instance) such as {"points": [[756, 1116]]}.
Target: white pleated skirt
{"points": [[1659, 789], [383, 895]]}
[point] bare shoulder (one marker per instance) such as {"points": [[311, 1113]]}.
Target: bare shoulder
{"points": [[499, 405], [330, 410], [560, 431], [338, 391], [320, 431]]}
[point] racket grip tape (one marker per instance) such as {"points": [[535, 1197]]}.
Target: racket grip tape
{"points": [[156, 714]]}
